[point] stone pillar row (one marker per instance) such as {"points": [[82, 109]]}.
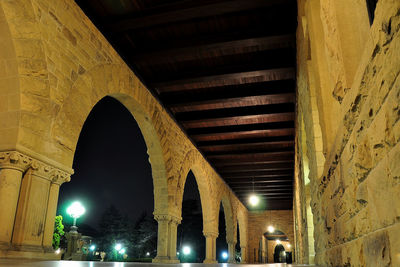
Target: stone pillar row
{"points": [[28, 201], [211, 238], [167, 237]]}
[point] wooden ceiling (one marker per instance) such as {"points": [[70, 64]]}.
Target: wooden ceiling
{"points": [[225, 69]]}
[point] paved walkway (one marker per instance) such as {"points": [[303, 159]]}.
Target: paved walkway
{"points": [[19, 263]]}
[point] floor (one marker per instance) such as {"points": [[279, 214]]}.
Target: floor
{"points": [[15, 263]]}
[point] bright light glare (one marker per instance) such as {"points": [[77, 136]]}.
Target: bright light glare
{"points": [[58, 251], [92, 247], [271, 229], [278, 241], [76, 210], [118, 247], [186, 250], [288, 245], [122, 251], [224, 255], [148, 254], [254, 200]]}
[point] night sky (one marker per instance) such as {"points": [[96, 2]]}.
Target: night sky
{"points": [[111, 167]]}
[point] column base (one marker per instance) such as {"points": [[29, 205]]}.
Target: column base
{"points": [[232, 261], [28, 252], [210, 261]]}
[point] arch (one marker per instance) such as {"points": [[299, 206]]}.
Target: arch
{"points": [[278, 249], [88, 90], [192, 162], [230, 222]]}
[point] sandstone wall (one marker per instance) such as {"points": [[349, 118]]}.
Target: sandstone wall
{"points": [[348, 119]]}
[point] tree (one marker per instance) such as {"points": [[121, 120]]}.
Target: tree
{"points": [[58, 231]]}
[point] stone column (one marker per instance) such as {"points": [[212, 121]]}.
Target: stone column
{"points": [[231, 251], [32, 207], [58, 178], [210, 247], [12, 166], [173, 225], [243, 251], [162, 238]]}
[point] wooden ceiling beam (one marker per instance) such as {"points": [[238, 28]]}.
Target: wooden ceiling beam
{"points": [[205, 51], [233, 102], [242, 134], [239, 120], [225, 79], [247, 146], [256, 174], [149, 18], [256, 167]]}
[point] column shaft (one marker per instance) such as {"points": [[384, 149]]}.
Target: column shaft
{"points": [[210, 248], [10, 184], [173, 225], [31, 210], [243, 251], [231, 252], [162, 239], [50, 216]]}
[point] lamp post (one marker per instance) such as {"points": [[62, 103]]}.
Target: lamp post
{"points": [[76, 210]]}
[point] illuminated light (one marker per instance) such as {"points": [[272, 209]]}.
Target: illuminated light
{"points": [[92, 247], [177, 253], [288, 245], [118, 247], [122, 251], [271, 229], [278, 241], [254, 200], [186, 250], [76, 210], [148, 254], [58, 251], [224, 255]]}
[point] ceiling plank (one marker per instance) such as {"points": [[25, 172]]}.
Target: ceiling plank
{"points": [[225, 79], [239, 120], [247, 146], [256, 167], [242, 134], [224, 49], [233, 102], [184, 14]]}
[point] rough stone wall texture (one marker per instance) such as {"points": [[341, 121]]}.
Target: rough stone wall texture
{"points": [[354, 173], [258, 222], [54, 67]]}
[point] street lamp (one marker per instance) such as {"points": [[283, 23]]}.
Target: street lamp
{"points": [[186, 250], [118, 247], [254, 199], [76, 210], [271, 229], [224, 255]]}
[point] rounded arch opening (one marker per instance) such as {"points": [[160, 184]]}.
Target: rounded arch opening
{"points": [[279, 248], [191, 241], [112, 171]]}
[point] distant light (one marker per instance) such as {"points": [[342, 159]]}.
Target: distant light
{"points": [[148, 254], [224, 255], [118, 247], [92, 247], [122, 251], [271, 229], [288, 245], [278, 241], [186, 250], [58, 251], [254, 200], [76, 210], [177, 253]]}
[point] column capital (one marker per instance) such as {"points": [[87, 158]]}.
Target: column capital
{"points": [[19, 161], [14, 160], [210, 234], [168, 218]]}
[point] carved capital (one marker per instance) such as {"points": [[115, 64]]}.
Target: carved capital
{"points": [[17, 160], [162, 217], [210, 234], [14, 160]]}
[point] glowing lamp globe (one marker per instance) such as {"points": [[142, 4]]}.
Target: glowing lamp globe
{"points": [[92, 247], [76, 210], [118, 247], [254, 200], [278, 241], [271, 229], [186, 250], [122, 251], [224, 255]]}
